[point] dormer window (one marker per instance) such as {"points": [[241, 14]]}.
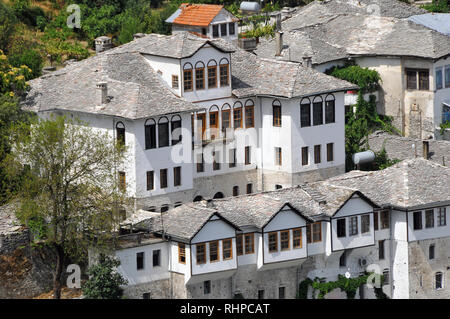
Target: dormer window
{"points": [[199, 76], [187, 77], [224, 77]]}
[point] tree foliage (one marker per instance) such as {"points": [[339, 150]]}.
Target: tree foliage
{"points": [[12, 79], [368, 80], [70, 182], [104, 281]]}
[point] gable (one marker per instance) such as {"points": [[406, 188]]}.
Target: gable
{"points": [[214, 229], [223, 16], [284, 219], [354, 205]]}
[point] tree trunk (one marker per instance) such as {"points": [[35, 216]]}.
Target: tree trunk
{"points": [[57, 277]]}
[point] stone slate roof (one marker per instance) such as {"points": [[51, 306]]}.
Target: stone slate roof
{"points": [[410, 184], [399, 147], [135, 90], [336, 30], [252, 75]]}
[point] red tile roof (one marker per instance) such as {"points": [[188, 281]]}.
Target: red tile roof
{"points": [[197, 14]]}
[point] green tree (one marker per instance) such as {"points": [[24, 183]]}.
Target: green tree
{"points": [[7, 25], [12, 79], [70, 183], [104, 282], [31, 58]]}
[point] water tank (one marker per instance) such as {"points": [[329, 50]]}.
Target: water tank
{"points": [[363, 157], [250, 6]]}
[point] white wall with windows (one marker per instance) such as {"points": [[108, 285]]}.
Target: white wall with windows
{"points": [[167, 68], [428, 223]]}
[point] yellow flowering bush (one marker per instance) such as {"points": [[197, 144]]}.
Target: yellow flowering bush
{"points": [[12, 80]]}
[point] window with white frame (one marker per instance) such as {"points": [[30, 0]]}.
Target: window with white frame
{"points": [[442, 216], [353, 227]]}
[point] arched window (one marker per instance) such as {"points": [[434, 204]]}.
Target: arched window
{"points": [[198, 198], [150, 134], [163, 132], [120, 133], [212, 74], [199, 76], [175, 129], [249, 114], [224, 72], [237, 115], [318, 110], [305, 112], [214, 121], [439, 280], [226, 117], [187, 77], [235, 190], [218, 195], [276, 107], [330, 112]]}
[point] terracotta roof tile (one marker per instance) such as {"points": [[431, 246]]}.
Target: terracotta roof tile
{"points": [[197, 14]]}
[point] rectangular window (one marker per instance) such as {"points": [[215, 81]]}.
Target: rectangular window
{"points": [[227, 249], [281, 293], [175, 81], [177, 176], [216, 160], [163, 134], [214, 124], [157, 258], [187, 79], [181, 253], [386, 277], [384, 218], [381, 249], [375, 220], [305, 115], [273, 242], [442, 216], [175, 130], [223, 29], [199, 78], [353, 227], [423, 77], [140, 261], [297, 238], [411, 80], [316, 154], [150, 136], [207, 287], [284, 240], [163, 178], [417, 219], [317, 113], [447, 76], [305, 156], [439, 82], [248, 159], [249, 243], [120, 135], [278, 156], [424, 80], [200, 166], [249, 116], [343, 259], [225, 120], [213, 251], [150, 180], [277, 115], [330, 155], [231, 28], [330, 114], [224, 79], [429, 218], [365, 223], [240, 245], [340, 223], [122, 181], [431, 252], [260, 294], [232, 158], [237, 117], [201, 253], [249, 188], [212, 77], [317, 232], [215, 30], [438, 280]]}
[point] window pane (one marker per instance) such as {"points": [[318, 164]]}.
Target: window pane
{"points": [[239, 245], [223, 29], [411, 80], [417, 220], [305, 155], [341, 227], [231, 28], [249, 117], [329, 112], [163, 134], [150, 136], [429, 218], [200, 79], [212, 76], [237, 118], [176, 132], [317, 113], [316, 154], [215, 30], [224, 75], [284, 240], [273, 242], [187, 77], [213, 251], [438, 79], [305, 114], [447, 76], [330, 155], [424, 80]]}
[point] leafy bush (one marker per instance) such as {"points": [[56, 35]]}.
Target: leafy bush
{"points": [[7, 25], [368, 80], [25, 13], [31, 59], [104, 281], [442, 6]]}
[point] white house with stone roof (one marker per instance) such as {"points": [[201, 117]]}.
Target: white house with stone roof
{"points": [[202, 118], [264, 245]]}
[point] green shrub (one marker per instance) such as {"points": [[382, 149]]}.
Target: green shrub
{"points": [[31, 59], [7, 25]]}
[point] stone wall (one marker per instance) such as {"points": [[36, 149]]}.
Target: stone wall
{"points": [[9, 242], [159, 289]]}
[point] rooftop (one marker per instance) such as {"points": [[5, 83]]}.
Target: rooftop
{"points": [[195, 14]]}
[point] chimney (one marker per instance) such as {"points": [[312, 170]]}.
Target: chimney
{"points": [[279, 42], [101, 93], [426, 149], [102, 43], [307, 61]]}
